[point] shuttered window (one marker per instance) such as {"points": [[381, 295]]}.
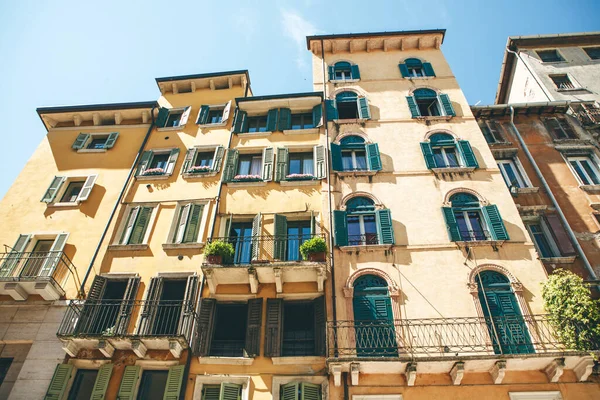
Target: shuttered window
{"points": [[186, 225], [353, 154], [427, 103], [300, 391], [135, 227], [415, 68], [69, 190], [560, 128], [199, 162], [442, 151], [347, 105], [343, 71], [224, 391], [173, 118], [213, 115], [362, 225], [88, 141], [157, 163], [467, 221]]}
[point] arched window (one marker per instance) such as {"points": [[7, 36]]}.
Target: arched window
{"points": [[343, 71], [506, 325], [427, 103], [467, 220], [348, 105], [353, 154], [442, 151], [415, 68], [362, 225]]}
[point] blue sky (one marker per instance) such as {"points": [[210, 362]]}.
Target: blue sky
{"points": [[85, 52]]}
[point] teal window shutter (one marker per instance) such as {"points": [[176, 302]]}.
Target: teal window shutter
{"points": [[496, 225], [53, 189], [310, 391], [101, 383], [317, 113], [467, 153], [230, 391], [331, 110], [428, 155], [272, 119], [203, 115], [58, 384], [385, 226], [403, 70], [363, 108], [193, 224], [163, 115], [188, 161], [428, 69], [285, 119], [281, 167], [319, 160], [110, 141], [144, 161], [174, 380], [336, 157], [218, 159], [129, 382], [230, 165], [451, 224], [355, 72], [331, 70], [448, 109], [373, 157], [340, 228], [412, 105], [240, 121], [267, 164], [280, 222], [81, 140]]}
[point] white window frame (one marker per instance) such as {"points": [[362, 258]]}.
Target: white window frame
{"points": [[214, 107], [175, 224], [63, 188], [522, 178], [412, 72], [82, 364], [123, 225], [205, 149], [470, 227], [439, 105], [591, 158], [346, 76], [458, 155], [547, 235], [361, 225], [279, 380], [354, 163], [546, 395], [171, 111]]}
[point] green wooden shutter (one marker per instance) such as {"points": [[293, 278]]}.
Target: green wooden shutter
{"points": [[363, 108], [128, 225], [310, 391], [140, 226], [336, 157], [144, 161], [188, 310], [163, 115], [172, 161], [281, 167], [174, 381], [428, 69], [412, 105], [355, 71], [331, 110], [267, 164], [55, 255], [331, 70], [340, 228], [122, 323], [272, 120], [97, 288], [253, 325], [240, 121], [317, 113], [193, 224], [273, 329], [320, 326], [279, 247], [320, 169], [285, 119], [203, 115], [206, 318], [451, 224], [467, 153], [230, 391], [428, 155], [211, 392], [14, 257], [53, 189], [385, 226], [86, 190], [110, 141], [496, 225], [150, 308], [230, 165], [188, 161], [129, 382], [218, 158], [81, 140], [373, 157], [403, 70], [182, 220], [58, 384], [256, 231], [101, 384], [289, 391], [448, 109]]}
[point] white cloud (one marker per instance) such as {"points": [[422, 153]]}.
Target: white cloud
{"points": [[297, 28]]}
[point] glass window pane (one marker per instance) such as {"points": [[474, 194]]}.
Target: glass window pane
{"points": [[361, 160], [511, 175], [244, 166], [541, 242], [580, 172], [463, 228], [256, 168], [439, 157], [308, 165], [354, 235], [451, 156], [477, 231], [587, 165], [296, 122], [83, 384], [347, 161], [370, 229], [295, 165]]}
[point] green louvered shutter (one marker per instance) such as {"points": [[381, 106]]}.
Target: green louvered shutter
{"points": [[14, 257], [256, 231], [496, 225], [203, 115], [144, 161], [340, 228], [412, 105], [101, 383], [320, 326], [206, 319], [281, 167], [451, 224], [363, 108], [403, 70], [188, 161], [285, 119], [230, 165], [253, 325], [211, 392], [110, 141], [336, 157], [163, 115], [131, 375], [58, 384], [385, 226], [174, 380], [428, 69], [53, 189], [331, 110], [448, 109], [467, 153], [272, 119], [279, 246], [82, 138], [331, 70], [428, 155], [240, 122], [55, 255], [373, 157], [355, 71], [140, 226], [218, 159], [273, 328], [310, 391], [317, 113], [319, 157], [230, 391], [267, 164], [193, 224]]}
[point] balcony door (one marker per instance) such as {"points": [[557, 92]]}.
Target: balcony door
{"points": [[375, 332], [34, 263], [241, 239], [169, 307], [506, 325]]}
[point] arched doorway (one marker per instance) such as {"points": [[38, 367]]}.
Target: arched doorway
{"points": [[506, 324], [373, 318]]}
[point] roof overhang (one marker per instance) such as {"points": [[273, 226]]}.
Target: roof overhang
{"points": [[537, 108], [213, 81], [295, 101]]}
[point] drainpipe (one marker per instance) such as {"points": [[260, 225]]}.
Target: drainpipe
{"points": [[117, 203], [562, 217]]}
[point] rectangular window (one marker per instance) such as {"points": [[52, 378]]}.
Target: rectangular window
{"points": [[204, 159], [83, 384], [593, 52], [562, 81], [240, 237], [342, 74], [97, 142], [445, 157], [586, 170], [549, 55], [136, 225], [347, 109], [492, 131], [159, 161], [560, 128], [362, 230], [470, 225], [511, 173], [187, 224], [174, 119], [249, 164], [415, 71], [230, 330], [72, 191], [541, 238], [4, 367], [298, 232], [301, 163], [298, 329], [354, 160], [302, 121], [257, 124], [215, 116], [152, 385], [428, 107]]}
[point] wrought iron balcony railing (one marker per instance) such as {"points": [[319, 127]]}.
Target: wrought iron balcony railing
{"points": [[265, 248], [133, 318], [587, 114], [363, 240], [443, 337], [47, 265], [473, 235]]}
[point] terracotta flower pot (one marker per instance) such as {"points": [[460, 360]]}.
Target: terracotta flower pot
{"points": [[316, 257], [214, 259]]}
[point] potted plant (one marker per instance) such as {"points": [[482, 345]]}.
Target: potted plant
{"points": [[199, 169], [247, 178], [218, 252], [299, 177], [154, 171], [314, 249]]}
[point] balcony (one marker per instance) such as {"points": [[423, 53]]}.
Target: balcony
{"points": [[42, 273], [438, 345], [265, 259], [587, 114], [137, 325]]}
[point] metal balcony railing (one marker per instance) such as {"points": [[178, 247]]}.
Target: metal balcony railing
{"points": [[47, 265], [443, 337], [472, 235], [363, 240], [133, 318], [587, 114], [266, 248]]}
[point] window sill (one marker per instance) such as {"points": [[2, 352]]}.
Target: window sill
{"points": [[199, 176], [572, 142], [92, 150], [480, 243], [350, 121], [219, 125], [226, 360], [177, 246], [255, 134], [558, 260], [336, 81], [435, 118], [591, 188], [577, 89], [301, 131], [504, 152], [247, 184], [170, 128], [453, 171], [356, 173], [528, 190], [500, 144], [297, 360], [128, 247], [152, 177], [366, 247], [73, 204], [310, 182], [410, 78]]}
